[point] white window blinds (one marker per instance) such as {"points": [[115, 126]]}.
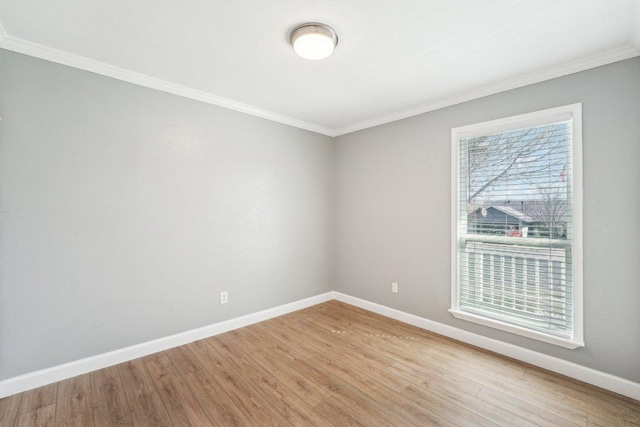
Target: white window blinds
{"points": [[515, 225]]}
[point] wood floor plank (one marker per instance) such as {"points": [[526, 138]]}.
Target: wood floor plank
{"points": [[487, 410], [629, 413], [357, 403], [428, 338], [598, 402], [337, 413], [74, 406], [471, 404], [9, 407], [251, 392], [178, 400], [42, 416], [210, 360], [419, 372], [246, 401], [184, 360], [594, 421], [214, 400], [476, 361], [136, 381], [110, 406], [254, 373], [407, 345], [407, 409], [368, 322], [327, 365], [409, 360], [453, 412], [512, 404], [541, 401], [364, 409], [249, 401], [283, 351], [234, 385], [278, 365], [300, 413], [148, 410], [390, 333], [39, 397], [325, 382]]}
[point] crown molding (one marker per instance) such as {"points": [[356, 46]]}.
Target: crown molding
{"points": [[43, 52], [561, 70]]}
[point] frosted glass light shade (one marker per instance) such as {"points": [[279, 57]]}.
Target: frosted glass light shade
{"points": [[313, 40]]}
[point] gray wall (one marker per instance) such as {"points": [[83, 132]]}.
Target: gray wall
{"points": [[125, 211], [393, 211]]}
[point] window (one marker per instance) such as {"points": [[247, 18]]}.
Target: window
{"points": [[517, 225]]}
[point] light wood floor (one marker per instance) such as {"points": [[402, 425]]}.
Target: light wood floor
{"points": [[331, 364]]}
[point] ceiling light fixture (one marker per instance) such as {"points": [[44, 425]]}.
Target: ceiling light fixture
{"points": [[313, 40]]}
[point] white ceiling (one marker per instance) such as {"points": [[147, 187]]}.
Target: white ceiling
{"points": [[394, 58]]}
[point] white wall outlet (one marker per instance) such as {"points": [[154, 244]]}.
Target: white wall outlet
{"points": [[394, 288], [224, 297]]}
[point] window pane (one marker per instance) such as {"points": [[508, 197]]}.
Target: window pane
{"points": [[515, 226], [517, 182]]}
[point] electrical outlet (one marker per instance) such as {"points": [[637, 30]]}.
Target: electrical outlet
{"points": [[224, 297], [394, 288]]}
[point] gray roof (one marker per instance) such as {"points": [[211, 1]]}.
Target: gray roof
{"points": [[514, 213]]}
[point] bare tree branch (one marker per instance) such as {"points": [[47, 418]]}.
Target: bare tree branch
{"points": [[528, 155]]}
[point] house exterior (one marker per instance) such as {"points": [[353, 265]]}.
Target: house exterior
{"points": [[534, 218]]}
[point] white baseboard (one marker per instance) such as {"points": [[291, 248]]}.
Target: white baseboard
{"points": [[570, 369], [61, 372]]}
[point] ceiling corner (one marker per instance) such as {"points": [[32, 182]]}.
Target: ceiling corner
{"points": [[559, 70], [65, 58]]}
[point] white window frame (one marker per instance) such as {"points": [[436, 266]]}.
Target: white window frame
{"points": [[573, 112]]}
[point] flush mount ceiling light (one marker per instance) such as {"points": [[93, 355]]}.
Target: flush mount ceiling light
{"points": [[313, 40]]}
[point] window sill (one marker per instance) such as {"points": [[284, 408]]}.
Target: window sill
{"points": [[518, 330]]}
